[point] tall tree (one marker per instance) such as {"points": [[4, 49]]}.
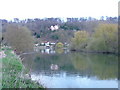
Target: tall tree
{"points": [[80, 40], [19, 38]]}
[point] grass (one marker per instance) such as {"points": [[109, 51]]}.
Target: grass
{"points": [[12, 68]]}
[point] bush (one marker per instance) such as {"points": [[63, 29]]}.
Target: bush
{"points": [[59, 45]]}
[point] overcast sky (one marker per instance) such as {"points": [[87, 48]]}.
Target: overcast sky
{"points": [[57, 8]]}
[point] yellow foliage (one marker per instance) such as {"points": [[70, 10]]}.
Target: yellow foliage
{"points": [[106, 30], [59, 45], [105, 38], [59, 50], [80, 39]]}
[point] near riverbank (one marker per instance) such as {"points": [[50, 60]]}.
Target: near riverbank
{"points": [[12, 71]]}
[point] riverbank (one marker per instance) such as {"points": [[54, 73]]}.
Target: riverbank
{"points": [[12, 68]]}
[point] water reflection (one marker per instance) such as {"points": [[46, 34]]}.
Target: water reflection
{"points": [[52, 51], [73, 70], [54, 67]]}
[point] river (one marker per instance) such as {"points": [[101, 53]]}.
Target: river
{"points": [[73, 69]]}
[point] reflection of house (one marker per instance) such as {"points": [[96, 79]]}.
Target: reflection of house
{"points": [[36, 49], [54, 67], [48, 51]]}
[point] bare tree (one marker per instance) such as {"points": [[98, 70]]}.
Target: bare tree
{"points": [[19, 38]]}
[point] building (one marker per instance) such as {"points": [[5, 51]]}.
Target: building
{"points": [[54, 28]]}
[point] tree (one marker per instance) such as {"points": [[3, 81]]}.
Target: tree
{"points": [[105, 38], [59, 45], [0, 38], [0, 32], [79, 41], [19, 38], [16, 20]]}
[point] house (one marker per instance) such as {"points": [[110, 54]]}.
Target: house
{"points": [[42, 44], [56, 27], [36, 45], [53, 28], [52, 43], [47, 44]]}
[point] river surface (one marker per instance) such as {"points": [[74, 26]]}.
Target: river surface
{"points": [[73, 70]]}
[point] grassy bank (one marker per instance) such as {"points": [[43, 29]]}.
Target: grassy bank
{"points": [[12, 71]]}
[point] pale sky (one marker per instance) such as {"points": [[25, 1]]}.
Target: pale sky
{"points": [[22, 9]]}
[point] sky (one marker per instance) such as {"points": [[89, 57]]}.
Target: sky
{"points": [[24, 9]]}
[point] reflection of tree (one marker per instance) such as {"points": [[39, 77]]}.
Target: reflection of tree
{"points": [[102, 66], [79, 61], [43, 62], [59, 50], [105, 66], [28, 61]]}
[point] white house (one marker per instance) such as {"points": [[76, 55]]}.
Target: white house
{"points": [[47, 44], [52, 43], [42, 44], [56, 27], [36, 44], [53, 28]]}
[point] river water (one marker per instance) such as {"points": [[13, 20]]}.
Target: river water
{"points": [[73, 70]]}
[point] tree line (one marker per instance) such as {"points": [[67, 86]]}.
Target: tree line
{"points": [[104, 39], [41, 27], [81, 33]]}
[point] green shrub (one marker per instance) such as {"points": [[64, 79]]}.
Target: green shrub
{"points": [[59, 45]]}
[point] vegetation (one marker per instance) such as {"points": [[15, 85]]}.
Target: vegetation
{"points": [[0, 37], [80, 40], [19, 38], [59, 45], [104, 39], [82, 34], [88, 34], [100, 65], [40, 28], [12, 69]]}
